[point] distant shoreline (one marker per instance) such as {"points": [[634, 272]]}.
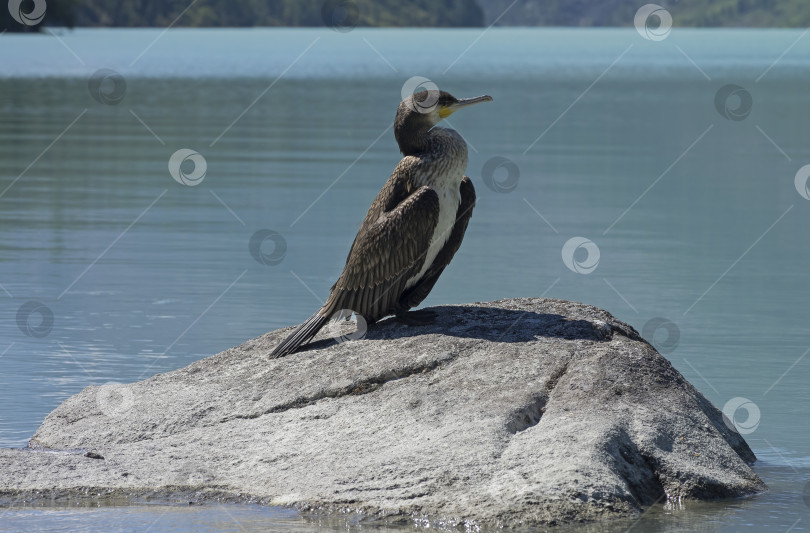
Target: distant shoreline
{"points": [[345, 15], [45, 29]]}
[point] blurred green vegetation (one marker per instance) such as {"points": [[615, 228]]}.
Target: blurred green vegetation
{"points": [[747, 13], [424, 13], [229, 13], [694, 13]]}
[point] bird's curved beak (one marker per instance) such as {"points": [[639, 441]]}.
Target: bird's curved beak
{"points": [[446, 111]]}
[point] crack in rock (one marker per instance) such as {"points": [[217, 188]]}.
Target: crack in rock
{"points": [[529, 415], [358, 388]]}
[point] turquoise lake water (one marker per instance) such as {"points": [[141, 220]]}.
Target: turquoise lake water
{"points": [[675, 165]]}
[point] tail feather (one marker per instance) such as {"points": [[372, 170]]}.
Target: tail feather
{"points": [[300, 335]]}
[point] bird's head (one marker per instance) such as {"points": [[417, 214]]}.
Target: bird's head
{"points": [[421, 111]]}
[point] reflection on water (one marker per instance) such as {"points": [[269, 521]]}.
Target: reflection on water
{"points": [[162, 518], [776, 511], [696, 217]]}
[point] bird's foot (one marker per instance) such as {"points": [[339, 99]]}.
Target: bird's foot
{"points": [[422, 317]]}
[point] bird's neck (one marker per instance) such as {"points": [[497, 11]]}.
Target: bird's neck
{"points": [[443, 161], [417, 140]]}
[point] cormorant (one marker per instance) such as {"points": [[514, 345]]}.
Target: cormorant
{"points": [[414, 226]]}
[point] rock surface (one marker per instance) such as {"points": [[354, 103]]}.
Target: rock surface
{"points": [[510, 413]]}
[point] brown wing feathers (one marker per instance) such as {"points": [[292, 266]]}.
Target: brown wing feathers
{"points": [[386, 253]]}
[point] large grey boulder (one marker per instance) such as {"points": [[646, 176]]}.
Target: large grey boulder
{"points": [[515, 412]]}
